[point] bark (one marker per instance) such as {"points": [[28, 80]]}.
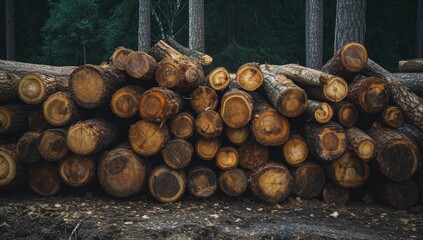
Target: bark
{"points": [[9, 83], [350, 24], [252, 155], [125, 101], [411, 65], [147, 138], [238, 136], [60, 110], [43, 179], [144, 25], [118, 58], [361, 143], [227, 158], [370, 95], [414, 81], [182, 125], [200, 57], [332, 193], [37, 122], [348, 171], [392, 117], [320, 112], [34, 88], [201, 182], [249, 76], [209, 124], [166, 184], [140, 65], [409, 103], [196, 25], [177, 153], [345, 113], [14, 118], [27, 148], [207, 149], [77, 171], [10, 30], [413, 132], [236, 108], [20, 68], [314, 33], [52, 146], [203, 98], [218, 79], [309, 179], [233, 182], [295, 151]]}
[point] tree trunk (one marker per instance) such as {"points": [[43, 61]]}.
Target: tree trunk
{"points": [[118, 58], [52, 146], [326, 141], [414, 81], [207, 149], [345, 113], [314, 33], [11, 172], [350, 24], [236, 108], [233, 182], [144, 25], [203, 98], [125, 101], [332, 193], [77, 171], [320, 112], [252, 155], [390, 144], [177, 153], [400, 195], [361, 143], [91, 136], [219, 78], [182, 125], [201, 182], [37, 122], [21, 68], [409, 103], [271, 182], [34, 88], [227, 158], [238, 136], [140, 65], [370, 95], [309, 179], [166, 184], [411, 65], [196, 25], [27, 148], [159, 104], [59, 110], [9, 83], [121, 172], [147, 138], [295, 151], [419, 30], [392, 117], [14, 118], [10, 30], [43, 179], [348, 171], [209, 124], [249, 76], [200, 57]]}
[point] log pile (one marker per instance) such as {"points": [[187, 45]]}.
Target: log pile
{"points": [[162, 121]]}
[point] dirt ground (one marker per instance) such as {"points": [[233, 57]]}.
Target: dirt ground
{"points": [[94, 215]]}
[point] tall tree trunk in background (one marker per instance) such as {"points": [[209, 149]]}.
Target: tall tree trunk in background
{"points": [[10, 30], [350, 23], [144, 25], [314, 33], [419, 30], [196, 25]]}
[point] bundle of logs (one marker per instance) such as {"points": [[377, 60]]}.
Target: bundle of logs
{"points": [[166, 120]]}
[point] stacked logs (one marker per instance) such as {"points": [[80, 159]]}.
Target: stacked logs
{"points": [[160, 120]]}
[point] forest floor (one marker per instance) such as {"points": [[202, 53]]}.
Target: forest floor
{"points": [[93, 215]]}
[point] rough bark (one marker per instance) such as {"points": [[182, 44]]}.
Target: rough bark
{"points": [[227, 158], [182, 125], [252, 155], [314, 33], [348, 171], [209, 124], [14, 118], [361, 143], [295, 151], [233, 182], [166, 184], [218, 78], [9, 83], [147, 138], [140, 65], [207, 149], [77, 171], [125, 101], [200, 57], [34, 88], [411, 65], [236, 108], [238, 136], [414, 81], [118, 58], [309, 179], [10, 30], [196, 25], [144, 25], [392, 117], [20, 68], [332, 193], [320, 112], [177, 153], [27, 148], [203, 98], [43, 179], [345, 113], [201, 182], [59, 110], [52, 146], [370, 95]]}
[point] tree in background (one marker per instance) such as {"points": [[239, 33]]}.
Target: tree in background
{"points": [[314, 33], [10, 30], [350, 25], [419, 29], [196, 25], [144, 25]]}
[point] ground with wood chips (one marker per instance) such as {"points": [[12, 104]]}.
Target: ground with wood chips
{"points": [[93, 215]]}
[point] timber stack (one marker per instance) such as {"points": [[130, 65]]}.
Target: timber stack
{"points": [[164, 122]]}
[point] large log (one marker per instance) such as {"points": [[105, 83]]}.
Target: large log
{"points": [[391, 144], [202, 58], [238, 136], [295, 150], [20, 68], [400, 195], [182, 125], [227, 158], [348, 61], [60, 110], [203, 98], [370, 95], [271, 182], [361, 143], [43, 179], [140, 65], [249, 76], [320, 112], [37, 122], [201, 182], [147, 138], [236, 107], [76, 170], [218, 79], [252, 155], [392, 117], [52, 146], [125, 101], [118, 58], [14, 118], [345, 113], [166, 184], [348, 171], [414, 81], [326, 141], [207, 148], [93, 86], [121, 172], [411, 65], [409, 103], [332, 193], [27, 148], [91, 136], [233, 182], [34, 88], [209, 124], [309, 179], [9, 83], [177, 153], [11, 172]]}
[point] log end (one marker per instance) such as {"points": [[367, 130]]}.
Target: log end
{"points": [[332, 193], [169, 73], [6, 118], [236, 109], [203, 98], [233, 182], [124, 104], [118, 58], [209, 124], [270, 128], [347, 115], [238, 136], [137, 64], [375, 96], [31, 88], [43, 179], [76, 171], [366, 149], [182, 125], [249, 77], [336, 89], [309, 179], [87, 86], [207, 149], [81, 139], [177, 153], [53, 145], [349, 171], [227, 158], [292, 102], [153, 105], [8, 168], [202, 182], [354, 57], [295, 151], [57, 109], [393, 117], [323, 113], [147, 138], [166, 184], [219, 78]]}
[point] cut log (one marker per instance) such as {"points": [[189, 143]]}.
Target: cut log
{"points": [[320, 112], [37, 122], [331, 87], [209, 124], [345, 113], [284, 95], [203, 98], [91, 136], [60, 110], [52, 145], [34, 88], [409, 103], [118, 58], [392, 117], [201, 182], [326, 141], [14, 118], [121, 172], [295, 150], [252, 155], [332, 193], [413, 132], [43, 179], [159, 104], [249, 76], [9, 83], [219, 78], [227, 158], [348, 171], [177, 153], [200, 57], [370, 95], [414, 81], [411, 65], [20, 68], [76, 170], [166, 184], [348, 61], [233, 182], [125, 101], [400, 195], [147, 138], [140, 65], [92, 86], [27, 148], [236, 108], [271, 182], [182, 125], [11, 172], [309, 179], [361, 143], [391, 144], [238, 136], [207, 148]]}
